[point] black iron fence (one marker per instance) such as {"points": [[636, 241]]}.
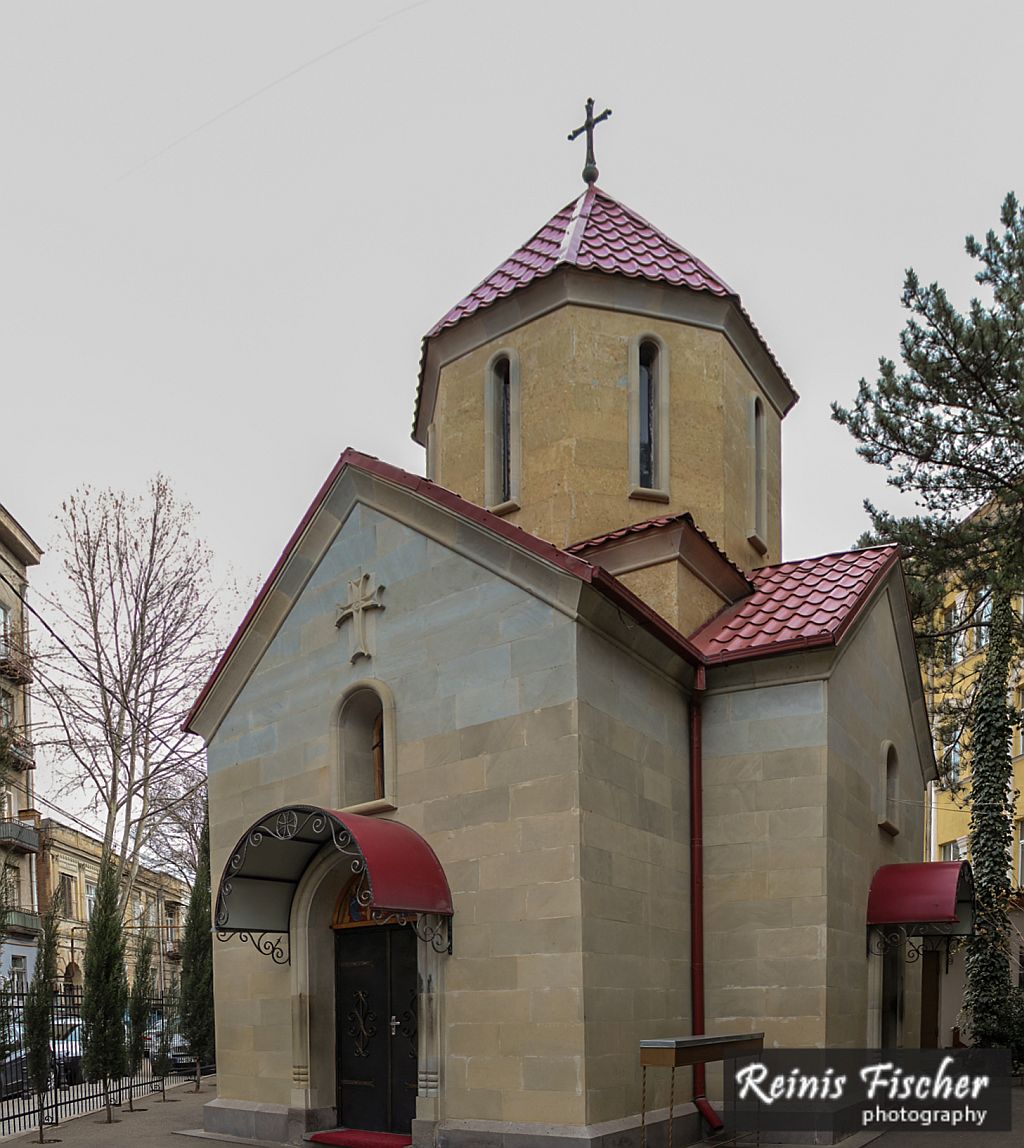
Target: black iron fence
{"points": [[68, 1093]]}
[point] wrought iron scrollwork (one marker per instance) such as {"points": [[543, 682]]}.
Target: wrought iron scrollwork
{"points": [[278, 950], [881, 941], [437, 933], [361, 1027], [407, 1024]]}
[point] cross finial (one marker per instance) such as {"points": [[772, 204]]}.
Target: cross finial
{"points": [[588, 125]]}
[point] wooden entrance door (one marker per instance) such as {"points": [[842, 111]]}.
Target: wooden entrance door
{"points": [[375, 999]]}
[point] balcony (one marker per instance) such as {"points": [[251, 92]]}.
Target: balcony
{"points": [[24, 921], [18, 835], [15, 660], [16, 749]]}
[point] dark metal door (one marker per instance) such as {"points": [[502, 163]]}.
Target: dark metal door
{"points": [[375, 995]]}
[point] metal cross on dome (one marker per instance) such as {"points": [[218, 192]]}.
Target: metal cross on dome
{"points": [[360, 599], [590, 167]]}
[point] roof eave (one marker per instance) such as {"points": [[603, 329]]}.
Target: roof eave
{"points": [[612, 291]]}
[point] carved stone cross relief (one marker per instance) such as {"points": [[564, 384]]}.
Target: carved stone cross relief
{"points": [[360, 599]]}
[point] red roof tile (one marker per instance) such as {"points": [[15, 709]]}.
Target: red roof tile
{"points": [[658, 523], [796, 605], [600, 579], [594, 232]]}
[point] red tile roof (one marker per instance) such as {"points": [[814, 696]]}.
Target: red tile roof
{"points": [[600, 579], [658, 523], [593, 233], [796, 605]]}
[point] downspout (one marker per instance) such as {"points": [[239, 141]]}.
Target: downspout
{"points": [[700, 1100]]}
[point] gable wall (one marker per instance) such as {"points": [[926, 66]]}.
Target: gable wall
{"points": [[483, 677]]}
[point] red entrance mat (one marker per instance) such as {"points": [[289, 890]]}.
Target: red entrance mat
{"points": [[353, 1138]]}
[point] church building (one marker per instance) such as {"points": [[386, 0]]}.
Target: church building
{"points": [[518, 764]]}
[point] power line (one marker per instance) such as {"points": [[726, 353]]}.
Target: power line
{"points": [[266, 88]]}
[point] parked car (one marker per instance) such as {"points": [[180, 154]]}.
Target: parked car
{"points": [[151, 1038], [14, 1071], [67, 1050], [182, 1059]]}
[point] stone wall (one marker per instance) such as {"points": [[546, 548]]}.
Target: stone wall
{"points": [[765, 862], [867, 713], [634, 804], [574, 403], [482, 674]]}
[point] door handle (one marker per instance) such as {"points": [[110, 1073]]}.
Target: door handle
{"points": [[393, 1022]]}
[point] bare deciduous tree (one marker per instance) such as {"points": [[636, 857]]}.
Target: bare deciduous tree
{"points": [[138, 619]]}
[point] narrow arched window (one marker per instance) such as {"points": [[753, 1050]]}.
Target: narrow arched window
{"points": [[648, 420], [503, 427], [501, 438], [648, 415], [362, 748], [759, 491], [889, 805]]}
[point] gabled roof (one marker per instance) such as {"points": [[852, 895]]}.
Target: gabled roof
{"points": [[796, 605], [594, 232], [660, 522], [607, 585]]}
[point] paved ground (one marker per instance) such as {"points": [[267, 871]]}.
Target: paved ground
{"points": [[154, 1127], [161, 1125]]}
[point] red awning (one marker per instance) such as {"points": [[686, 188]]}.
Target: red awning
{"points": [[258, 884], [924, 897]]}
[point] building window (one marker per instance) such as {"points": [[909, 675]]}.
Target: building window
{"points": [[5, 630], [648, 415], [950, 851], [366, 739], [501, 436], [953, 625], [6, 710], [951, 761], [759, 454], [12, 884], [648, 419], [19, 974], [983, 614], [90, 899], [66, 895], [888, 803]]}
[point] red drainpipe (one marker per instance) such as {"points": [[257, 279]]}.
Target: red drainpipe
{"points": [[700, 1100]]}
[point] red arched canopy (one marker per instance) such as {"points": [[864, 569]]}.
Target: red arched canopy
{"points": [[924, 897], [257, 887]]}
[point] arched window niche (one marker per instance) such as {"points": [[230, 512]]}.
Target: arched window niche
{"points": [[501, 433], [759, 484], [648, 419], [889, 802], [365, 731]]}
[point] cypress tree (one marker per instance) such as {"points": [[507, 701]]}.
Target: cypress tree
{"points": [[949, 428], [38, 1015], [139, 1004], [105, 993], [195, 1002]]}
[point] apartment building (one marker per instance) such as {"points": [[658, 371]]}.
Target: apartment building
{"points": [[19, 840], [69, 865]]}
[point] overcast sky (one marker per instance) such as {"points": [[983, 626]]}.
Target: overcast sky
{"points": [[226, 225]]}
